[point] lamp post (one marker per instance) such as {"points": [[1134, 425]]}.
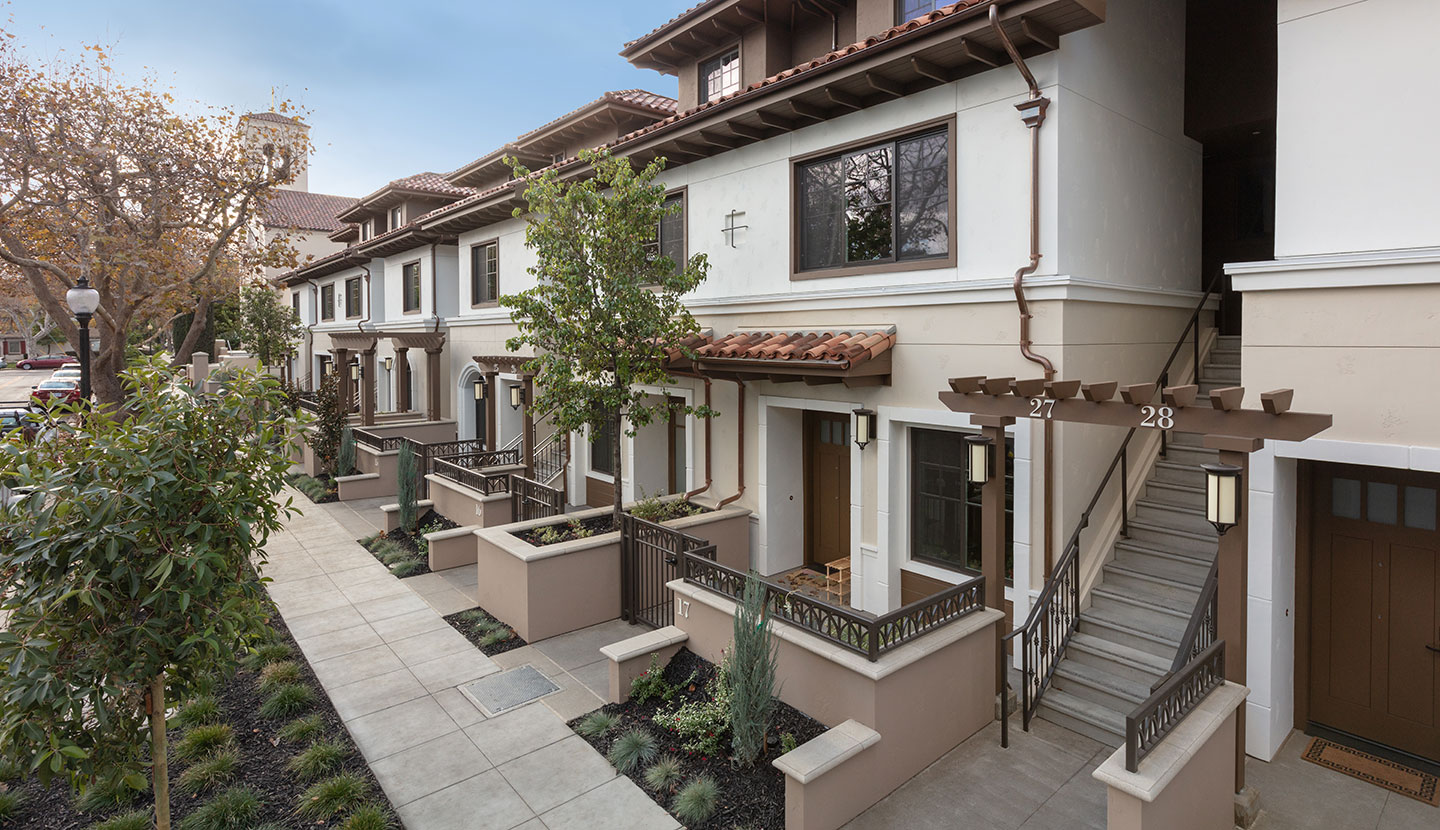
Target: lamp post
{"points": [[480, 426], [83, 301]]}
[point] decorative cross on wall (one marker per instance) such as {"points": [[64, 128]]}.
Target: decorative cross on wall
{"points": [[730, 226]]}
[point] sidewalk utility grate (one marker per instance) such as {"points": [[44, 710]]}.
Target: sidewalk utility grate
{"points": [[508, 689]]}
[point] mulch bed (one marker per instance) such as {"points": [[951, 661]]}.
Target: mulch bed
{"points": [[753, 797], [596, 526], [476, 623], [262, 763], [405, 540]]}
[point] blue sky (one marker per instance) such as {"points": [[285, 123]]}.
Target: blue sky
{"points": [[391, 88]]}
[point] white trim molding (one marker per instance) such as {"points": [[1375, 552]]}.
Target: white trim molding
{"points": [[1363, 269]]}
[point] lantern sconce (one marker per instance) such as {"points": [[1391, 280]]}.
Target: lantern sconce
{"points": [[980, 458], [389, 363], [1222, 495], [354, 371], [864, 427], [517, 396], [479, 389]]}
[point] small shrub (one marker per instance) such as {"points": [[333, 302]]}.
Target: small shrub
{"points": [[300, 730], [475, 617], [279, 674], [495, 636], [752, 675], [596, 724], [9, 803], [10, 771], [393, 554], [201, 710], [333, 796], [368, 542], [696, 801], [651, 683], [632, 749], [274, 653], [369, 817], [664, 774], [579, 531], [105, 794], [234, 809], [208, 773], [287, 700], [345, 455], [203, 740], [408, 478], [787, 742], [702, 723], [320, 758], [404, 569], [549, 535], [134, 820]]}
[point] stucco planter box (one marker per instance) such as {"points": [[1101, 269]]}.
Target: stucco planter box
{"points": [[468, 506], [360, 486], [392, 513], [451, 548]]}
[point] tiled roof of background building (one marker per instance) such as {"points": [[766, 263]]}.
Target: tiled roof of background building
{"points": [[426, 183], [302, 210], [844, 348]]}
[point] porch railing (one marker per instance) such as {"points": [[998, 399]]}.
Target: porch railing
{"points": [[472, 448], [309, 404], [864, 634], [379, 443], [551, 456], [533, 500], [457, 470], [1053, 618], [649, 558]]}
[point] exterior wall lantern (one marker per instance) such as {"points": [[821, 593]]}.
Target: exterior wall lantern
{"points": [[354, 371], [479, 389], [864, 427], [980, 458], [1222, 495], [517, 396], [389, 363]]}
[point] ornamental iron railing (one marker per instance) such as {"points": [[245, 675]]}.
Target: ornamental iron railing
{"points": [[864, 634], [649, 553], [473, 449], [1153, 719], [379, 443], [533, 500], [456, 470]]}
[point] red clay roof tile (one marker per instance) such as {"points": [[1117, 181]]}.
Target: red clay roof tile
{"points": [[302, 210], [845, 349]]}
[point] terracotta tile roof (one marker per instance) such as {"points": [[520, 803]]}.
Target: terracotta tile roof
{"points": [[425, 183], [655, 102], [672, 21], [272, 116], [846, 349], [305, 211]]}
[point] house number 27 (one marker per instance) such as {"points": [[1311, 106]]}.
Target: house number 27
{"points": [[1157, 416], [1041, 408]]}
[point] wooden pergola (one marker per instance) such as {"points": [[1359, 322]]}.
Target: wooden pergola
{"points": [[491, 366], [1220, 418], [363, 343]]}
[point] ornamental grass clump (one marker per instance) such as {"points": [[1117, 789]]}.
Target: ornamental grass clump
{"points": [[752, 675], [320, 758], [209, 772], [300, 730], [106, 794], [203, 740], [596, 724], [664, 775], [633, 749], [9, 803], [133, 820], [333, 796], [697, 800], [235, 809], [369, 817], [279, 674], [288, 700], [201, 710]]}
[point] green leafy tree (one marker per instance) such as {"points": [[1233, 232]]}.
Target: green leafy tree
{"points": [[607, 305], [752, 675], [330, 421], [267, 327], [133, 580]]}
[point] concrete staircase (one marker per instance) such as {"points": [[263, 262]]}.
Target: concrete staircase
{"points": [[1142, 602]]}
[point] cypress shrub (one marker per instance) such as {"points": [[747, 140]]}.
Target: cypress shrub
{"points": [[345, 457], [752, 679], [409, 473]]}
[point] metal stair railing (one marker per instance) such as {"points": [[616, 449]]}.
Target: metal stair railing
{"points": [[1053, 618]]}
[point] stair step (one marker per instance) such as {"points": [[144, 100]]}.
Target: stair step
{"points": [[1121, 660], [1173, 472], [1218, 373], [1198, 556], [1184, 519], [1189, 496], [1160, 608], [1191, 455], [1224, 357], [1133, 628], [1164, 577], [1171, 598], [1078, 715], [1099, 686], [1166, 538]]}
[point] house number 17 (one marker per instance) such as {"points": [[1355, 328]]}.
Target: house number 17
{"points": [[1157, 416]]}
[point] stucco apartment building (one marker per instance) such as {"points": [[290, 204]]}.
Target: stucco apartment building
{"points": [[895, 193]]}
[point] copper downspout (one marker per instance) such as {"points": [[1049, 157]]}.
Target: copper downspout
{"points": [[740, 453], [366, 302], [706, 486], [1032, 112]]}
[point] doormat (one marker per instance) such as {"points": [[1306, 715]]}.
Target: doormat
{"points": [[508, 689], [1382, 772]]}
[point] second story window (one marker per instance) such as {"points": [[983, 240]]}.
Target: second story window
{"points": [[670, 236], [720, 76], [884, 203], [485, 273], [353, 305], [367, 229], [907, 10], [327, 302], [295, 303], [410, 287], [397, 217]]}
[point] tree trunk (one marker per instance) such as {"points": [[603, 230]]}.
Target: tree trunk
{"points": [[186, 347], [615, 465], [160, 767]]}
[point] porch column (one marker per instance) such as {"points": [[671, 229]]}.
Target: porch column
{"points": [[342, 371], [402, 379], [992, 532], [432, 384], [367, 387], [1232, 600], [530, 429], [491, 392]]}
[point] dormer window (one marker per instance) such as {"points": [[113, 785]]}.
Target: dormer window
{"points": [[907, 10], [720, 75], [367, 229], [397, 215]]}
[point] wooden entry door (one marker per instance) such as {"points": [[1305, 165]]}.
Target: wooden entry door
{"points": [[1375, 606], [827, 487]]}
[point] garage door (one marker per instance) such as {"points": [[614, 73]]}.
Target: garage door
{"points": [[1375, 606]]}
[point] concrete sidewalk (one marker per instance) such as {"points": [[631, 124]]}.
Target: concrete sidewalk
{"points": [[391, 667]]}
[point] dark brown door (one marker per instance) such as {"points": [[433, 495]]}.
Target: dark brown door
{"points": [[1375, 606], [827, 487]]}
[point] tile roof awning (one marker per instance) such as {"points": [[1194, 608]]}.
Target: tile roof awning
{"points": [[855, 357]]}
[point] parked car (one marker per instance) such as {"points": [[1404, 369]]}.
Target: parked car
{"points": [[48, 361], [19, 416], [57, 391], [66, 373]]}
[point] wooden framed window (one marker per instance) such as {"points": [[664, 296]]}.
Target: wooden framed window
{"points": [[354, 303], [907, 10], [327, 302], [888, 203], [602, 450], [410, 287], [669, 238], [485, 273], [945, 507], [720, 75], [295, 303], [397, 217]]}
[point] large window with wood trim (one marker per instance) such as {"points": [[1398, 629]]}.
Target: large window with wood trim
{"points": [[410, 287], [884, 203], [907, 10], [354, 303], [485, 273], [669, 238], [945, 506], [327, 302], [720, 75]]}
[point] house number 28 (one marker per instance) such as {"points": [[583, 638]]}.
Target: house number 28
{"points": [[1157, 416]]}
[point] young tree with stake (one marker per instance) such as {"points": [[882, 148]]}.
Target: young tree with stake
{"points": [[607, 305]]}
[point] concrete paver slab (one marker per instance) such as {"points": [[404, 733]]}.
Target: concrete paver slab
{"points": [[398, 728], [508, 736], [580, 648], [527, 654], [336, 643], [573, 699], [375, 693], [429, 767], [454, 670], [595, 676], [460, 708], [356, 666], [552, 775], [323, 622], [484, 802], [422, 648], [402, 626], [393, 606], [615, 805]]}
